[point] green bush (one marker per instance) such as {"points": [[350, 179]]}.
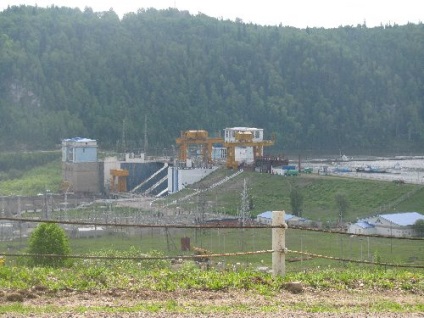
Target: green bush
{"points": [[419, 227], [48, 238]]}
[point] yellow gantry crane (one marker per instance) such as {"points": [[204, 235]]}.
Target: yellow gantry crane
{"points": [[241, 137], [196, 137], [122, 175], [245, 139]]}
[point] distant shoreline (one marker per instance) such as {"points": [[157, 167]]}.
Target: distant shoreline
{"points": [[358, 158]]}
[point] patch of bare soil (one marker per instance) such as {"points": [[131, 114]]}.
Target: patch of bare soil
{"points": [[354, 303]]}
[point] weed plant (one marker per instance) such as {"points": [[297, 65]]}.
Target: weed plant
{"points": [[135, 276], [34, 181], [164, 275], [381, 250], [268, 192]]}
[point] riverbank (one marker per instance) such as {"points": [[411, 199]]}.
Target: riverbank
{"points": [[404, 169]]}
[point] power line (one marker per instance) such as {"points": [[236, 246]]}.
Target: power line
{"points": [[137, 258], [202, 256], [356, 234], [176, 226], [354, 260]]}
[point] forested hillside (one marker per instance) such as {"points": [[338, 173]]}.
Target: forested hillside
{"points": [[66, 73]]}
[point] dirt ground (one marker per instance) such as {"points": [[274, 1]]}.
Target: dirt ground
{"points": [[196, 303]]}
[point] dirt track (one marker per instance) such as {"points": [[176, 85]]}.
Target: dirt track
{"points": [[229, 304]]}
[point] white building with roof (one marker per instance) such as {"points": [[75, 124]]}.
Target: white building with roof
{"points": [[362, 227], [392, 224], [244, 154], [79, 149], [230, 134], [290, 219]]}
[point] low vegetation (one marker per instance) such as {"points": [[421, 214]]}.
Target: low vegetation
{"points": [[48, 238], [40, 179], [164, 280], [272, 192], [13, 165], [267, 192], [169, 285]]}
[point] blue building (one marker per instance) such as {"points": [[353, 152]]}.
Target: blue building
{"points": [[79, 150], [392, 224]]}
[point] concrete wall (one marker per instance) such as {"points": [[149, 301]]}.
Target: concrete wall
{"points": [[385, 229], [185, 177], [356, 229], [87, 232], [108, 164], [244, 154], [135, 163], [134, 158], [396, 231], [83, 177]]}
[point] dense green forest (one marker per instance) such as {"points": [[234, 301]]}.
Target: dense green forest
{"points": [[66, 73]]}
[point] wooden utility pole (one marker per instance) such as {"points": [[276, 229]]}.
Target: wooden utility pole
{"points": [[278, 243]]}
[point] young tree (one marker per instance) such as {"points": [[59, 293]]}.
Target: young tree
{"points": [[418, 226], [342, 205], [296, 201], [48, 238]]}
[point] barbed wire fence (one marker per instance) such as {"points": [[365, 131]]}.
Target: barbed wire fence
{"points": [[220, 241]]}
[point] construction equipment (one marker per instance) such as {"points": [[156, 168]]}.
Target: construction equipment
{"points": [[122, 175], [244, 138], [199, 138], [236, 140]]}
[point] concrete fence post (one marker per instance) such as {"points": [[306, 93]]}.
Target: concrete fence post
{"points": [[278, 243]]}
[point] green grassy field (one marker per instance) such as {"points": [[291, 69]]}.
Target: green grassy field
{"points": [[386, 288], [35, 180], [123, 286], [218, 241], [272, 192], [268, 192]]}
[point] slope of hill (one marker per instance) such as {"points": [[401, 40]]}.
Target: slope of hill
{"points": [[272, 192], [66, 73], [31, 173]]}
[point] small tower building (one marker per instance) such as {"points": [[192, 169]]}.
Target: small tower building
{"points": [[80, 167]]}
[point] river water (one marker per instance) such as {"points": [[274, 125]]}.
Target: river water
{"points": [[408, 169]]}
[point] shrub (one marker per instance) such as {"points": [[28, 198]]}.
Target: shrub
{"points": [[419, 227], [48, 238]]}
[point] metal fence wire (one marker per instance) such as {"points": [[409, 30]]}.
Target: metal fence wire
{"points": [[248, 245]]}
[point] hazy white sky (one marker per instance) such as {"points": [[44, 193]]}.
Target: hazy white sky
{"points": [[297, 13]]}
